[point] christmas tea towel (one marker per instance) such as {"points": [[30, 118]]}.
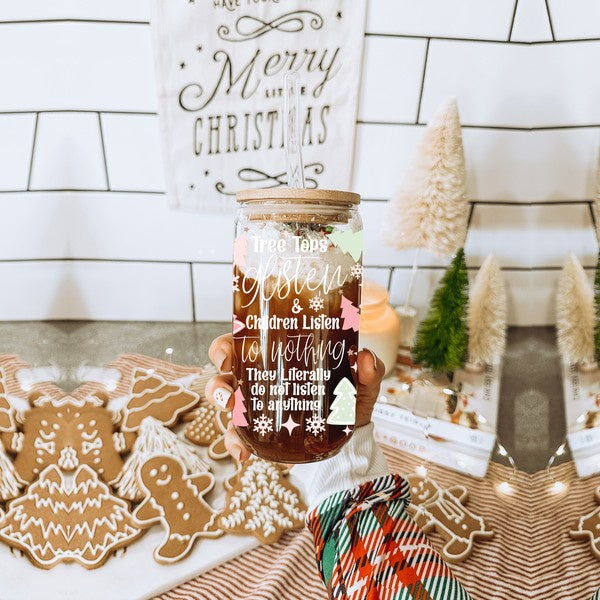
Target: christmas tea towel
{"points": [[220, 68]]}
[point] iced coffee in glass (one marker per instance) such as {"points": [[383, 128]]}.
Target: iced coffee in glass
{"points": [[296, 305]]}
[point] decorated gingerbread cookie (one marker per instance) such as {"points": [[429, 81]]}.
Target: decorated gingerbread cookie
{"points": [[175, 499], [153, 396], [208, 429], [67, 432], [442, 510], [261, 502], [588, 528], [55, 521], [154, 438]]}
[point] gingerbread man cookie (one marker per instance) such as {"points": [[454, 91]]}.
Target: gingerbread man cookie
{"points": [[175, 500], [154, 438], [588, 528], [55, 521], [153, 396], [208, 429], [442, 510], [261, 502]]}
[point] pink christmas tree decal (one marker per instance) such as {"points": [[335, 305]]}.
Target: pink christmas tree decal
{"points": [[237, 325], [350, 315], [239, 408], [240, 249]]}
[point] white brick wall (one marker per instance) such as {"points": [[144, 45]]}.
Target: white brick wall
{"points": [[79, 148]]}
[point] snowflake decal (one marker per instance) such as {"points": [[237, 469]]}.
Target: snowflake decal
{"points": [[316, 303], [315, 425], [263, 424], [356, 271], [236, 283]]}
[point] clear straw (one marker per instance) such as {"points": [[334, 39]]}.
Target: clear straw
{"points": [[293, 144]]}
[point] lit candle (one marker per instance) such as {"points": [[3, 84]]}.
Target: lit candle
{"points": [[379, 324]]}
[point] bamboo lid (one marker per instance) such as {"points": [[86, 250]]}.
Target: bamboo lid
{"points": [[285, 194]]}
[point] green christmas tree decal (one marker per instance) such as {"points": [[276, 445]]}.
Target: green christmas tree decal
{"points": [[343, 408], [442, 337], [597, 307]]}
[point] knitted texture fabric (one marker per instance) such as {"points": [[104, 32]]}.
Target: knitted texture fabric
{"points": [[369, 548]]}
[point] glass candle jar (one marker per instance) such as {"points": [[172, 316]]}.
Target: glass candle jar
{"points": [[379, 324], [297, 273]]}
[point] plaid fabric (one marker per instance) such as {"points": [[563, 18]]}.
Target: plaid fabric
{"points": [[369, 548]]}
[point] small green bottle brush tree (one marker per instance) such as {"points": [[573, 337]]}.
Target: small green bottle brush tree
{"points": [[441, 343]]}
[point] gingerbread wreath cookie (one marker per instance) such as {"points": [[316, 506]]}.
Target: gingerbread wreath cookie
{"points": [[67, 432], [208, 429], [176, 501], [261, 502], [54, 521], [588, 528], [442, 510]]}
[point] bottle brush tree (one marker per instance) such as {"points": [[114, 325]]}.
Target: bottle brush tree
{"points": [[442, 338]]}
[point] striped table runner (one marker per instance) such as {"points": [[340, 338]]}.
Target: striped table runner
{"points": [[531, 555]]}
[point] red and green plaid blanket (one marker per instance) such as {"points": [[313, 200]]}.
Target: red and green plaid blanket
{"points": [[369, 548]]}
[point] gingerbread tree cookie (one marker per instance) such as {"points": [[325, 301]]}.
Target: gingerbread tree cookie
{"points": [[67, 432], [154, 438], [175, 500], [442, 510], [262, 503], [153, 396], [588, 528], [57, 522], [208, 429]]}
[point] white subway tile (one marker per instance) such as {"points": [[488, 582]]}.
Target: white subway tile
{"points": [[562, 91], [501, 165], [213, 292], [95, 290], [132, 10], [531, 22], [391, 83], [557, 165], [425, 285], [126, 291], [33, 291], [558, 230], [494, 86], [133, 152], [530, 297], [503, 230], [575, 19], [144, 227], [39, 226], [382, 155], [538, 236], [374, 214], [485, 19], [490, 82], [68, 152], [95, 66], [16, 138], [381, 276]]}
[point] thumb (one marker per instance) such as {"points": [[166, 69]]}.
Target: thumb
{"points": [[370, 374]]}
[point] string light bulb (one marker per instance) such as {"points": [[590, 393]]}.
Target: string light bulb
{"points": [[421, 471]]}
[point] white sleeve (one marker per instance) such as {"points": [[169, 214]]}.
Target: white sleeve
{"points": [[359, 461]]}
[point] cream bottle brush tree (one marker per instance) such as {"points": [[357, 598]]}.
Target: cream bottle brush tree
{"points": [[430, 208], [487, 314], [575, 316]]}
